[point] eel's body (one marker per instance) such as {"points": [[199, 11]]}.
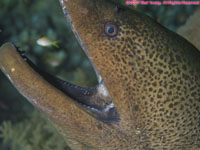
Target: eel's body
{"points": [[151, 79]]}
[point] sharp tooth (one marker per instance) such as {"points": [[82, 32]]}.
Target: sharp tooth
{"points": [[99, 78], [102, 90], [108, 107]]}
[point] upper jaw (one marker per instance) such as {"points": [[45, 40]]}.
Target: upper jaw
{"points": [[97, 100]]}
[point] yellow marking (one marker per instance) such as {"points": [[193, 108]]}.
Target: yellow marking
{"points": [[12, 69]]}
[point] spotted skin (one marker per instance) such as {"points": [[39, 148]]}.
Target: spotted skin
{"points": [[151, 73]]}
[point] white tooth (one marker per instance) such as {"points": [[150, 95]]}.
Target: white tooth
{"points": [[94, 109], [86, 93], [102, 90], [61, 1], [99, 78], [108, 107]]}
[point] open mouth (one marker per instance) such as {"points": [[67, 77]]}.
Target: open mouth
{"points": [[94, 100]]}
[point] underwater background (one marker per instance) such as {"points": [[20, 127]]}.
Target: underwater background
{"points": [[23, 22]]}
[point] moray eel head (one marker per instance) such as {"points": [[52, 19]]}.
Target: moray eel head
{"points": [[151, 73], [148, 96]]}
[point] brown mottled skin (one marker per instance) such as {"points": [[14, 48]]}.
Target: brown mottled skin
{"points": [[152, 75]]}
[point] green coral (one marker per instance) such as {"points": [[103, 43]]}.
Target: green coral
{"points": [[34, 133]]}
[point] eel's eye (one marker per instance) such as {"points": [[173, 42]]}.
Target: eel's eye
{"points": [[111, 29]]}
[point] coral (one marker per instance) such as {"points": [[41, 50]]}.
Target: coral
{"points": [[34, 133]]}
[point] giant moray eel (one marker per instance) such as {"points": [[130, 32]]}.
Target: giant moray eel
{"points": [[148, 96]]}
